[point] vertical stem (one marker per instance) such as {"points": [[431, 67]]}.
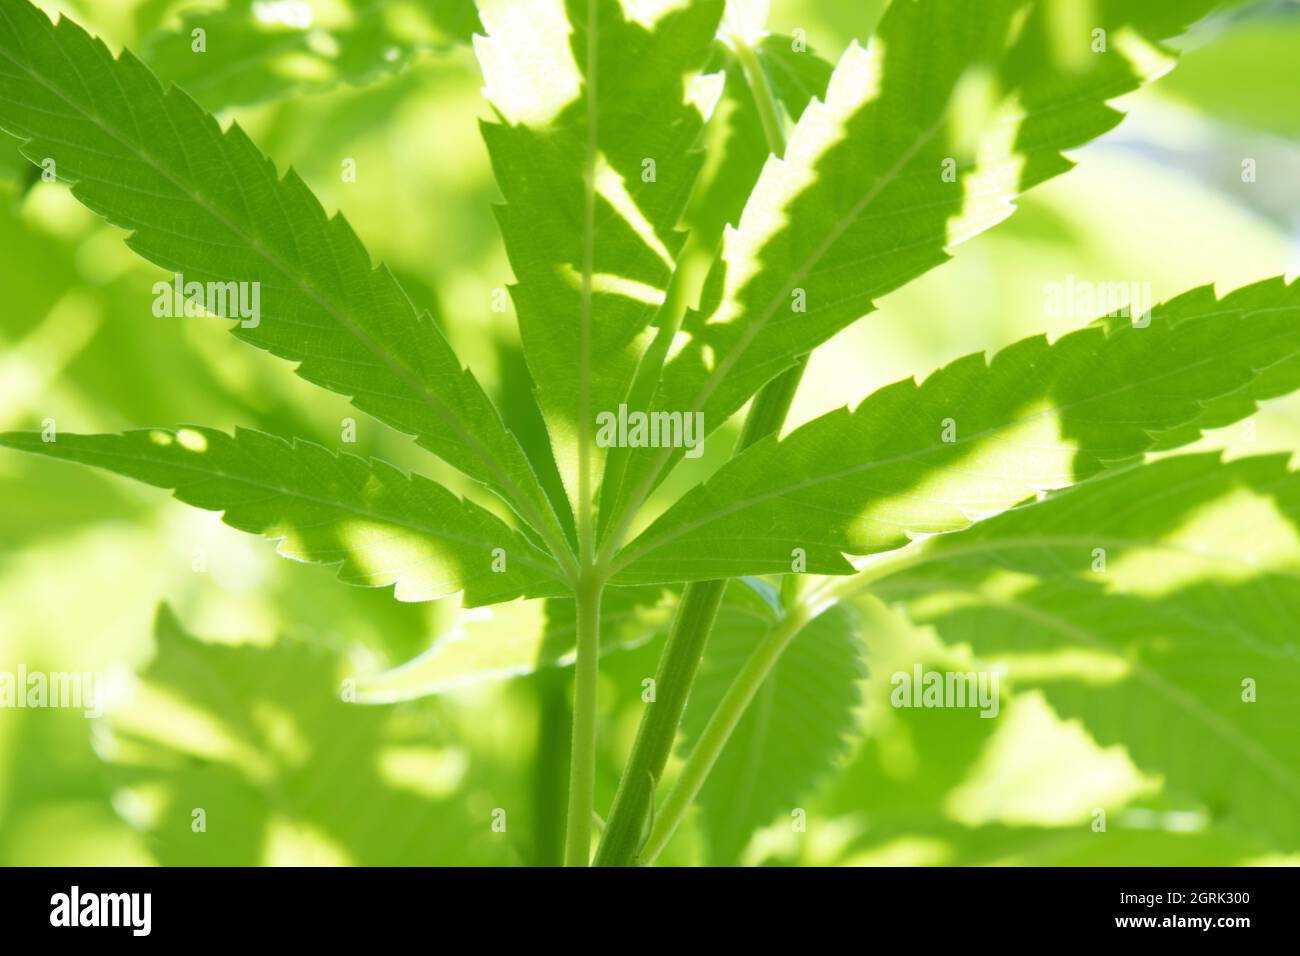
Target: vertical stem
{"points": [[707, 749], [584, 517], [582, 760], [771, 405], [624, 830], [590, 582], [768, 112], [551, 766]]}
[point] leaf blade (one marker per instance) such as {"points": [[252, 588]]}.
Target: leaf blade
{"points": [[596, 164], [1038, 416], [860, 206], [378, 525], [245, 56], [204, 202], [792, 733], [1175, 581]]}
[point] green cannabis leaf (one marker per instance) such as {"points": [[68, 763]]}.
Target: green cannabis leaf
{"points": [[1175, 584], [690, 206], [861, 203], [596, 166], [380, 526], [204, 203], [280, 767], [247, 52], [738, 145], [973, 439], [796, 728]]}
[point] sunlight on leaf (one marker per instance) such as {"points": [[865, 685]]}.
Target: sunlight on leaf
{"points": [[1029, 773], [529, 73]]}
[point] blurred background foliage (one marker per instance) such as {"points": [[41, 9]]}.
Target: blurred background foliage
{"points": [[228, 697]]}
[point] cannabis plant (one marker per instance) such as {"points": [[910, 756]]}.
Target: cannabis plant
{"points": [[1024, 501]]}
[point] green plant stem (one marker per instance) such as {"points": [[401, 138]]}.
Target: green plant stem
{"points": [[698, 608], [799, 610], [550, 686], [769, 113], [670, 313], [719, 730], [591, 580], [696, 613], [836, 590], [625, 827], [582, 754]]}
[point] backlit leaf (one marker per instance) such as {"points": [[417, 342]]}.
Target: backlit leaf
{"points": [[974, 438], [378, 524]]}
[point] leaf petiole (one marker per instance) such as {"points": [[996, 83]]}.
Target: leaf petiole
{"points": [[720, 727]]}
